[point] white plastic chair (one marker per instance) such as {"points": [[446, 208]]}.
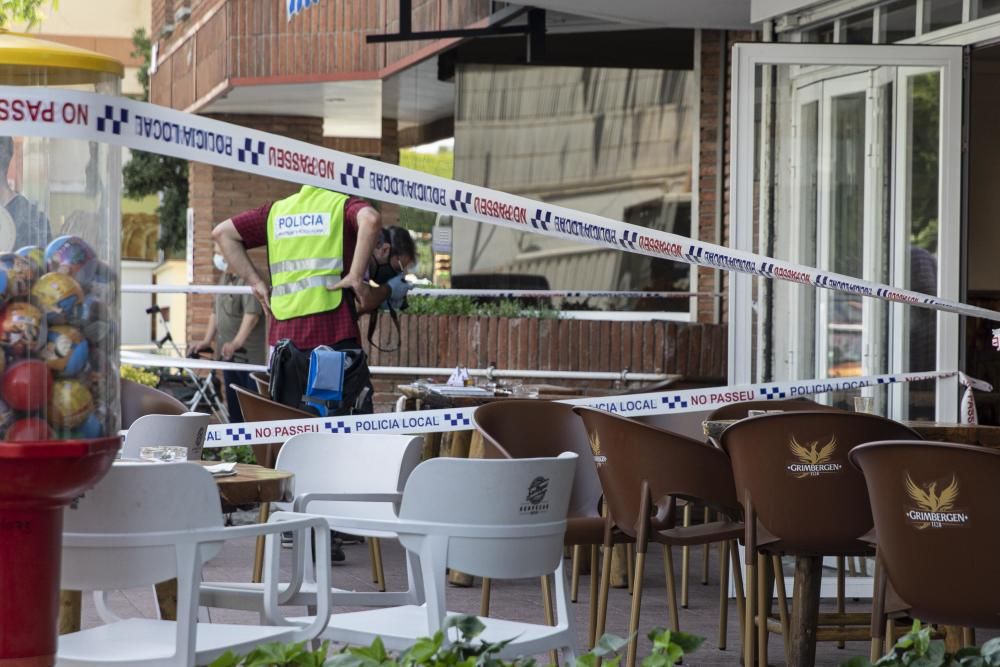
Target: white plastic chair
{"points": [[186, 430], [503, 519], [145, 523], [350, 475]]}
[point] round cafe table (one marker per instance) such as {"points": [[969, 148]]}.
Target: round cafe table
{"points": [[250, 485]]}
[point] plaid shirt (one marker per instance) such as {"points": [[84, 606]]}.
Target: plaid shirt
{"points": [[330, 327]]}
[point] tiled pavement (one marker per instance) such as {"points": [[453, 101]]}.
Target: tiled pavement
{"points": [[520, 600]]}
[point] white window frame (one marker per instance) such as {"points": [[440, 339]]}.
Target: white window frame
{"points": [[746, 58]]}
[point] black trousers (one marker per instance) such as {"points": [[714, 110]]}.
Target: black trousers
{"points": [[240, 379]]}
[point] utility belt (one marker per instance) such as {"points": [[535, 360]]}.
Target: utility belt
{"points": [[326, 380]]}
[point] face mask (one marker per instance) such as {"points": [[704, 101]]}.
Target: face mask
{"points": [[382, 273], [220, 262], [412, 268]]}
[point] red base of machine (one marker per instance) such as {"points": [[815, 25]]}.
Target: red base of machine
{"points": [[37, 480]]}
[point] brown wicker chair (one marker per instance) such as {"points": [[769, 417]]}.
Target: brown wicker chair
{"points": [[742, 409], [257, 408], [941, 569], [263, 381], [532, 428], [801, 497], [138, 400], [645, 471]]}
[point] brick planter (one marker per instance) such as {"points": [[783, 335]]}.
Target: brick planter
{"points": [[690, 349]]}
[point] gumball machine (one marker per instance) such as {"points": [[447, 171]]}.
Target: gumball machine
{"points": [[59, 405]]}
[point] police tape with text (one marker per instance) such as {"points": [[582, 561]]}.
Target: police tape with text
{"points": [[140, 125], [460, 419]]}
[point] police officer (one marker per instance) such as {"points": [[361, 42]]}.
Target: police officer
{"points": [[319, 247]]}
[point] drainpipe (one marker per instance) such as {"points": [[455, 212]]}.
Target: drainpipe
{"points": [[720, 165]]}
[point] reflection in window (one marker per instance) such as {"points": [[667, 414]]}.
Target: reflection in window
{"points": [[940, 14], [820, 35], [857, 29], [899, 21], [985, 8], [610, 141]]}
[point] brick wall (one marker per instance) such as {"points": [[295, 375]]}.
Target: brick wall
{"points": [[253, 39], [692, 350], [711, 134]]}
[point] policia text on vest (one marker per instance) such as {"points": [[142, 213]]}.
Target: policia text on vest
{"points": [[305, 248]]}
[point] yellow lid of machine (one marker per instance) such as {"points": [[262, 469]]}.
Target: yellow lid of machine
{"points": [[26, 50]]}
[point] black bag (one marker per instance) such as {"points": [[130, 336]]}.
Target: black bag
{"points": [[289, 370]]}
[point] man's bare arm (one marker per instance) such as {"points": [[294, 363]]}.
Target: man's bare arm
{"points": [[231, 244], [369, 230]]}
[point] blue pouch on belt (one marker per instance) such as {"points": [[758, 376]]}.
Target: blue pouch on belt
{"points": [[326, 378]]}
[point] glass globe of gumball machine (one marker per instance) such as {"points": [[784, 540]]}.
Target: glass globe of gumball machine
{"points": [[59, 343]]}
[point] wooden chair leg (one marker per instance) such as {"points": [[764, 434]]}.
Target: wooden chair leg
{"points": [[878, 613], [575, 582], [668, 573], [371, 558], [379, 572], [592, 610], [633, 620], [723, 593], [749, 628], [779, 584], [734, 559], [630, 565], [685, 560], [602, 601], [550, 614], [484, 599], [841, 586], [706, 554], [763, 602], [968, 637]]}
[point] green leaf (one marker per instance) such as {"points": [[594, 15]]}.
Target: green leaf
{"points": [[468, 626], [609, 643], [656, 660], [227, 659], [857, 661], [612, 661], [991, 652], [687, 642], [586, 660]]}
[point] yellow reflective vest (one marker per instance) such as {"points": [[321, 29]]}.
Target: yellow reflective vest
{"points": [[305, 250]]}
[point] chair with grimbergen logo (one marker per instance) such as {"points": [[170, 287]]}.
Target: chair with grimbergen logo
{"points": [[802, 498], [937, 516], [518, 429], [645, 471]]}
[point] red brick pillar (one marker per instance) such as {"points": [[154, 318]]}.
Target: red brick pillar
{"points": [[390, 154]]}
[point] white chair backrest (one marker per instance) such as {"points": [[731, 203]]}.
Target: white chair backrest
{"points": [[350, 463], [186, 430], [501, 493], [138, 498]]}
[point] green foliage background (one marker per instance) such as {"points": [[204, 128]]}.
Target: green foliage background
{"points": [[151, 174], [28, 12]]}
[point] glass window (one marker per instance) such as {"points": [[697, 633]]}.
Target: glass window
{"points": [[820, 35], [985, 8], [941, 14], [899, 21], [615, 142], [857, 29]]}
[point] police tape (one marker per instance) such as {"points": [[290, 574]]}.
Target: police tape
{"points": [[68, 114], [437, 292], [632, 405]]}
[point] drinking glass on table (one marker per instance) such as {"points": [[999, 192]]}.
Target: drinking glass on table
{"points": [[163, 454], [864, 404]]}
